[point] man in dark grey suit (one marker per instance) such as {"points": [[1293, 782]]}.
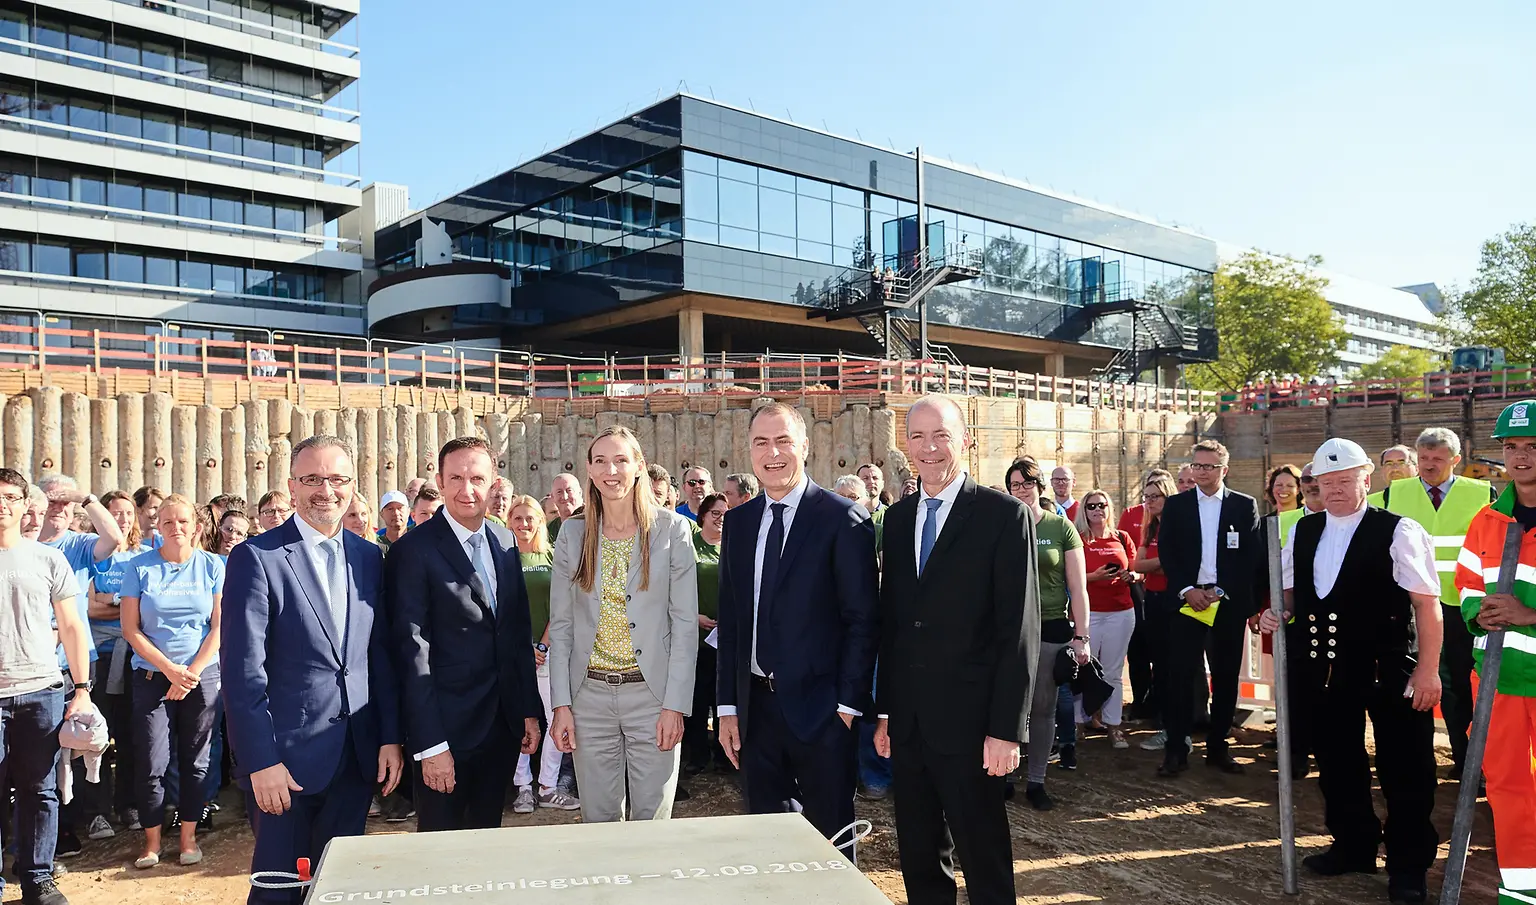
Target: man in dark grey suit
{"points": [[471, 700]]}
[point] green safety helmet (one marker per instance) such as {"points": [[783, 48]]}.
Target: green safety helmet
{"points": [[1516, 420]]}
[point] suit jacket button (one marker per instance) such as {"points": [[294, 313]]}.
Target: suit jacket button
{"points": [[343, 672], [917, 625], [638, 651], [631, 625]]}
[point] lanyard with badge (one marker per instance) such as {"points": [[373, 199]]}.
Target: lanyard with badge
{"points": [[1233, 540]]}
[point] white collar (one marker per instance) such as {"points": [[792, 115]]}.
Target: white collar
{"points": [[1347, 521], [1445, 488], [461, 532], [951, 492], [791, 499], [1202, 496], [311, 535]]}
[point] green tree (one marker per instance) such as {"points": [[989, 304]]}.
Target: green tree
{"points": [[1500, 308], [1272, 322], [1400, 363]]}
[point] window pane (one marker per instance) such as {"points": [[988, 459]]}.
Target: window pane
{"points": [[125, 50], [127, 268], [125, 196], [813, 219], [88, 115], [89, 41], [729, 169], [738, 238], [196, 275], [196, 206], [738, 204], [15, 255], [778, 245], [228, 210], [698, 163], [160, 271], [13, 25], [290, 219], [258, 215], [775, 180], [813, 188], [121, 122], [52, 259], [226, 140], [813, 251], [193, 134], [776, 213], [701, 231], [87, 190], [258, 281], [701, 198], [91, 263], [847, 227], [160, 127], [227, 278]]}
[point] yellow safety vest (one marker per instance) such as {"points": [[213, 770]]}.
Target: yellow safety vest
{"points": [[1288, 520], [1447, 525], [1377, 499]]}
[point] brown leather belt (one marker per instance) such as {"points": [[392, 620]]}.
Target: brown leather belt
{"points": [[616, 678]]}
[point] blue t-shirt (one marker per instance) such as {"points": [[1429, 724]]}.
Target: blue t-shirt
{"points": [[107, 576], [80, 550], [175, 601], [685, 512]]}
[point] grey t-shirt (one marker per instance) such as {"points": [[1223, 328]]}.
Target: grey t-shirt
{"points": [[32, 577]]}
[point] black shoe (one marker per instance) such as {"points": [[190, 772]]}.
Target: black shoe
{"points": [[396, 809], [1409, 888], [68, 845], [1172, 767], [1336, 864], [205, 819], [213, 806], [1223, 762], [1068, 759], [1301, 767], [681, 794], [1036, 795], [47, 893], [692, 769], [175, 815]]}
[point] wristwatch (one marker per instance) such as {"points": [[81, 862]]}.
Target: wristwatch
{"points": [[541, 647], [1082, 638], [83, 686], [89, 499]]}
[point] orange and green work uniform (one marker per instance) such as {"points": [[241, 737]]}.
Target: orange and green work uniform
{"points": [[1508, 764]]}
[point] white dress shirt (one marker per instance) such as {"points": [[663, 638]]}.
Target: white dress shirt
{"points": [[312, 539], [1413, 556], [464, 534], [1445, 489], [946, 498], [791, 503], [1210, 531]]}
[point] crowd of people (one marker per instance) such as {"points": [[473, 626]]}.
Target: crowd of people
{"points": [[462, 644]]}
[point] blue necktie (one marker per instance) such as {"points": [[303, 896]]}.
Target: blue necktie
{"points": [[767, 649], [930, 533], [336, 587], [477, 544]]}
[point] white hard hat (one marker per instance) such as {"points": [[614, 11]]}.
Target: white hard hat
{"points": [[1338, 454]]}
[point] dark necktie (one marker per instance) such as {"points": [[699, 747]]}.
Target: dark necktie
{"points": [[767, 646], [1435, 496]]}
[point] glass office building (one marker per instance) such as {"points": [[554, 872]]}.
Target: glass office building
{"points": [[692, 204]]}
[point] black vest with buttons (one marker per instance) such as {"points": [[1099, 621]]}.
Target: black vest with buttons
{"points": [[1364, 627]]}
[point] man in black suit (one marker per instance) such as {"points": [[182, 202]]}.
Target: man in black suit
{"points": [[798, 586], [959, 637], [1212, 554], [469, 700]]}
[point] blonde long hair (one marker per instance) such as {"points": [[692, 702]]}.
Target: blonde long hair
{"points": [[540, 524], [641, 499], [1081, 521]]}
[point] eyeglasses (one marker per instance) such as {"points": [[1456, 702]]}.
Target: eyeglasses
{"points": [[315, 480], [1095, 507], [716, 514], [696, 482], [1021, 485], [1147, 497], [269, 512], [1205, 466], [11, 499]]}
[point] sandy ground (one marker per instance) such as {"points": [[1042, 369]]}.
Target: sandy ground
{"points": [[1118, 835]]}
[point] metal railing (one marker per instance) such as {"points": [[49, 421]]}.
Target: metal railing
{"points": [[1507, 384], [352, 361]]}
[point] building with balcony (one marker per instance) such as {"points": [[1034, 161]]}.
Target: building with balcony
{"points": [[187, 160], [694, 225]]}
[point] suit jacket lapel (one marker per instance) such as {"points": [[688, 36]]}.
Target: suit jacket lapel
{"points": [[303, 567], [900, 522], [959, 511], [453, 552], [356, 614], [800, 527], [632, 576], [501, 563]]}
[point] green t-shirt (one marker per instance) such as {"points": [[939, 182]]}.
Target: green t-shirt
{"points": [[879, 519], [554, 530], [1054, 536], [708, 570], [538, 569]]}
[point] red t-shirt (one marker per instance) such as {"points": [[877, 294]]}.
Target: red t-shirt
{"points": [[1109, 596], [1072, 510]]}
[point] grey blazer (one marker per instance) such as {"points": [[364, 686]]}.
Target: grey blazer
{"points": [[663, 619]]}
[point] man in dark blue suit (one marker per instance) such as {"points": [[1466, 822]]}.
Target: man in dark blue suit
{"points": [[463, 640], [309, 692], [798, 588]]}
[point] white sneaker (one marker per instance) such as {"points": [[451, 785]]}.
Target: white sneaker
{"points": [[554, 798], [524, 803], [1157, 741], [100, 829]]}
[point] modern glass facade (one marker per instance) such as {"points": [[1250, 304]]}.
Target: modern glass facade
{"points": [[694, 196]]}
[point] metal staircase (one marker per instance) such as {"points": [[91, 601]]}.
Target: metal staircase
{"points": [[1157, 331], [871, 292]]}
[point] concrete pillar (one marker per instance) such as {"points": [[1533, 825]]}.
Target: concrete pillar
{"points": [[629, 420], [863, 447], [447, 429], [158, 446], [531, 458], [48, 439], [325, 423], [704, 444], [389, 457], [301, 426], [497, 426], [210, 453], [427, 446], [464, 423], [690, 338], [104, 447], [278, 464], [346, 429], [233, 461], [741, 440], [280, 423], [686, 447], [366, 452], [586, 432], [666, 440], [843, 459], [18, 435], [552, 447], [725, 460], [184, 451], [258, 446], [130, 431], [517, 457], [1055, 364], [75, 434], [823, 461], [883, 442], [407, 461], [645, 432], [3, 463]]}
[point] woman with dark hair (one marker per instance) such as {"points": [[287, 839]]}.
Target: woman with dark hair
{"points": [[698, 746], [623, 637], [1160, 604], [1282, 488], [1063, 618]]}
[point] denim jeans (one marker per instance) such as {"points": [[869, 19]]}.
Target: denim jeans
{"points": [[154, 718], [29, 738], [1066, 716], [874, 770], [215, 780]]}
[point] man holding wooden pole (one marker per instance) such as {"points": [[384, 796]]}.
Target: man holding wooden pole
{"points": [[1507, 755]]}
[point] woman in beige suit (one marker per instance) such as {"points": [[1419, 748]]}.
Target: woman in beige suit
{"points": [[623, 635]]}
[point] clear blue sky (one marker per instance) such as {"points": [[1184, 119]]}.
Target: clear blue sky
{"points": [[1390, 137]]}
